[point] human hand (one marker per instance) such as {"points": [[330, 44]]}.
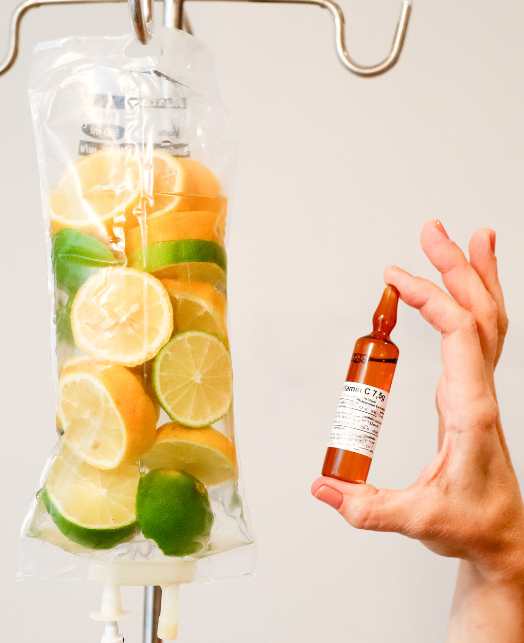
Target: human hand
{"points": [[466, 502]]}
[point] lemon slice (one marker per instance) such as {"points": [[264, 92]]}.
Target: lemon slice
{"points": [[97, 195], [91, 507], [122, 315], [193, 379], [197, 306], [107, 417], [204, 453]]}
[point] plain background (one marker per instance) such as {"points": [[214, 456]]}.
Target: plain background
{"points": [[337, 176]]}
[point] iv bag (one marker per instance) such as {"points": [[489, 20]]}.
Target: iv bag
{"points": [[137, 163]]}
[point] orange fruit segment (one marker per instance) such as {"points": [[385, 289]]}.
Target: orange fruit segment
{"points": [[172, 183], [204, 453], [197, 306], [174, 226], [107, 417]]}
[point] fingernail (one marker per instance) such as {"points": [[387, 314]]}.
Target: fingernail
{"points": [[399, 270], [442, 229], [330, 496], [493, 240]]}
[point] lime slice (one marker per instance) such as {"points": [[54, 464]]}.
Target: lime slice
{"points": [[204, 453], [76, 256], [159, 256], [91, 507], [43, 528], [121, 315], [193, 379], [173, 509]]}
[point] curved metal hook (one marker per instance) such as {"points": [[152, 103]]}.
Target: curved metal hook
{"points": [[16, 19], [340, 36], [141, 16], [345, 58]]}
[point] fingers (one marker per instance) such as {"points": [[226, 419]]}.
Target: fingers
{"points": [[365, 507], [482, 259], [464, 284], [462, 356]]}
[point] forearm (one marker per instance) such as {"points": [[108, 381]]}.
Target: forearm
{"points": [[486, 611]]}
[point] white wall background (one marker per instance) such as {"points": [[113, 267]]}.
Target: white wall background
{"points": [[337, 176]]}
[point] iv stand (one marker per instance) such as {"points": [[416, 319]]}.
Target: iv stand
{"points": [[142, 15]]}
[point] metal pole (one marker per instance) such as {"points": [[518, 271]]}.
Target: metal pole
{"points": [[152, 600]]}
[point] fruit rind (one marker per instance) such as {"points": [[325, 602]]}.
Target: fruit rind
{"points": [[161, 398], [85, 536], [178, 518]]}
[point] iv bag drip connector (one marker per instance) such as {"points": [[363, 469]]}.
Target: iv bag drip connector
{"points": [[111, 634], [168, 619], [111, 610]]}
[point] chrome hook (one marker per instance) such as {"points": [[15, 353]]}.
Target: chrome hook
{"points": [[141, 15], [342, 52]]}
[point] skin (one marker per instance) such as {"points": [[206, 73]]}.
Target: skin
{"points": [[466, 503]]}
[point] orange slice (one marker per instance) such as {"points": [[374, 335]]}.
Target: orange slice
{"points": [[174, 226]]}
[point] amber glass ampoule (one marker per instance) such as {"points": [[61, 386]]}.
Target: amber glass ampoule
{"points": [[364, 397]]}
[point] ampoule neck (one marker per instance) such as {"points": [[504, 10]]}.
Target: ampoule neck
{"points": [[385, 317]]}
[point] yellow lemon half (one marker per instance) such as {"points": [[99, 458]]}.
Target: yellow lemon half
{"points": [[122, 315]]}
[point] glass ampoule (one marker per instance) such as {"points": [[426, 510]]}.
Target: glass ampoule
{"points": [[364, 397]]}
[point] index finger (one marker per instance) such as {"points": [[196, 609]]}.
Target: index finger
{"points": [[461, 351]]}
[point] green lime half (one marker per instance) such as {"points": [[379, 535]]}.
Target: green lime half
{"points": [[158, 256], [92, 507], [76, 256], [172, 508]]}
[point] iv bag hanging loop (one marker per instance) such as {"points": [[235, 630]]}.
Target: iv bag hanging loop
{"points": [[142, 15]]}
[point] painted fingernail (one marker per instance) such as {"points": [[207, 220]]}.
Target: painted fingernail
{"points": [[330, 496], [442, 229], [399, 270], [493, 240]]}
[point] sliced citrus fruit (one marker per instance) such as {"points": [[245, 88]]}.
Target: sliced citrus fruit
{"points": [[108, 418], [71, 363], [173, 183], [91, 507], [43, 528], [189, 259], [156, 257], [144, 374], [122, 315], [193, 379], [197, 306], [204, 453], [174, 226], [97, 195]]}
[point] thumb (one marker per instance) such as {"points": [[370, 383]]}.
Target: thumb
{"points": [[365, 507]]}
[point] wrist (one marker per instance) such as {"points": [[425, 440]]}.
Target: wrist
{"points": [[503, 563]]}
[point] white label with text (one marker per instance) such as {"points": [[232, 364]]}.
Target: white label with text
{"points": [[358, 418]]}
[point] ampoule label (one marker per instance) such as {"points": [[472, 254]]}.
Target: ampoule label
{"points": [[358, 419]]}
